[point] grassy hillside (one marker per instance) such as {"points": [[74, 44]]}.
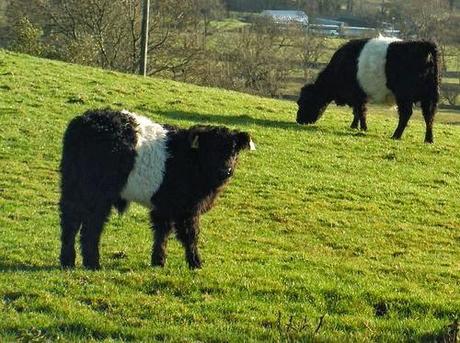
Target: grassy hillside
{"points": [[319, 222]]}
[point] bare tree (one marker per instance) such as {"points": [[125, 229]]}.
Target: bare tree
{"points": [[310, 49], [424, 19], [209, 9], [107, 33], [350, 5], [102, 23], [252, 61]]}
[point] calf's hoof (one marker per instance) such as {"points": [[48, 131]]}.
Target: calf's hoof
{"points": [[158, 261], [67, 266], [67, 261], [92, 265], [194, 263]]}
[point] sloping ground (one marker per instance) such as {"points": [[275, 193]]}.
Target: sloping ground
{"points": [[319, 222]]}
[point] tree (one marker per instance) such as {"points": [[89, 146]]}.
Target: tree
{"points": [[27, 38], [310, 49], [209, 9], [15, 12], [350, 5], [253, 61], [423, 19], [106, 33]]}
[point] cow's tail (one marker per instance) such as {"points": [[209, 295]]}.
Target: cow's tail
{"points": [[433, 55]]}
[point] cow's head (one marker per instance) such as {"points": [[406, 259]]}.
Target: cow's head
{"points": [[311, 105], [217, 149]]}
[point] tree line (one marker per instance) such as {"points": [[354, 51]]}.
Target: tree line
{"points": [[182, 44], [186, 44]]}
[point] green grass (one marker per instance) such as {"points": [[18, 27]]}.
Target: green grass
{"points": [[319, 221]]}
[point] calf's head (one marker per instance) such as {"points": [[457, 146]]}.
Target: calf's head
{"points": [[217, 150], [311, 105]]}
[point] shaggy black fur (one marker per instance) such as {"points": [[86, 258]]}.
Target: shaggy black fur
{"points": [[98, 155], [412, 75], [337, 82]]}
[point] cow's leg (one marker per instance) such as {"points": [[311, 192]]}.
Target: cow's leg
{"points": [[70, 224], [90, 236], [161, 230], [359, 115], [405, 112], [363, 116], [354, 123], [428, 110], [187, 231]]}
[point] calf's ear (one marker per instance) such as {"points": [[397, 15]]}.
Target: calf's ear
{"points": [[194, 138], [195, 141], [243, 141], [195, 135]]}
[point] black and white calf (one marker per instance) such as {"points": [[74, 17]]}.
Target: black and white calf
{"points": [[380, 70], [111, 158]]}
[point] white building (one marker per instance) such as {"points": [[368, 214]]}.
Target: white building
{"points": [[286, 17]]}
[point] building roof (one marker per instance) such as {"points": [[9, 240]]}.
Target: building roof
{"points": [[285, 16]]}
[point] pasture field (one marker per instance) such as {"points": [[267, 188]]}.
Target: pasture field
{"points": [[324, 233]]}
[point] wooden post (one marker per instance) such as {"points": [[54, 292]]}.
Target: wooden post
{"points": [[144, 38]]}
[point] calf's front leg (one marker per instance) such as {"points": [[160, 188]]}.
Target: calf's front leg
{"points": [[187, 230], [161, 228]]}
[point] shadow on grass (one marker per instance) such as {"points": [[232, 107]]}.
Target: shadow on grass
{"points": [[243, 119], [448, 334], [6, 266]]}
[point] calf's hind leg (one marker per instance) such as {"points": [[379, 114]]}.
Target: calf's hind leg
{"points": [[90, 236], [70, 224]]}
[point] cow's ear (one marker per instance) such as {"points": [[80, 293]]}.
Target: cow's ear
{"points": [[243, 141]]}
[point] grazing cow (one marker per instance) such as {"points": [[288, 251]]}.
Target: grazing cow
{"points": [[111, 158], [379, 70]]}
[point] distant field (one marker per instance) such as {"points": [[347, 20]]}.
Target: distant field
{"points": [[228, 24], [325, 234]]}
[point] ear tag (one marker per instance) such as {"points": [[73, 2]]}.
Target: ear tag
{"points": [[252, 146], [195, 144]]}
